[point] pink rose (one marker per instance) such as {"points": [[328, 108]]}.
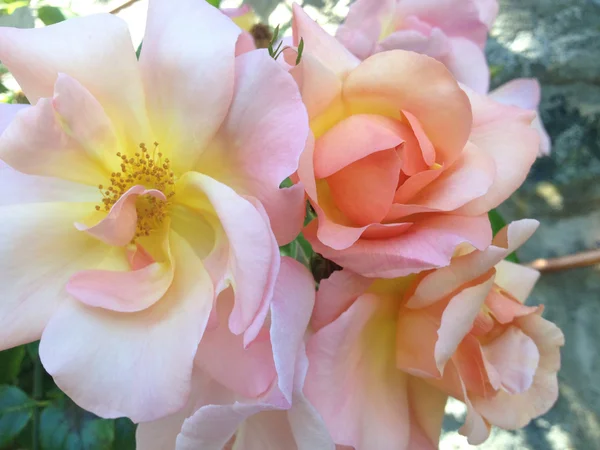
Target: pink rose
{"points": [[451, 31], [250, 398], [405, 164], [387, 353], [114, 248]]}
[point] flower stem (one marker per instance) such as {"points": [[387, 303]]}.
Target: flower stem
{"points": [[582, 259]]}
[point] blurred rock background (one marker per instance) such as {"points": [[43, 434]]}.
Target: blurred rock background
{"points": [[557, 42]]}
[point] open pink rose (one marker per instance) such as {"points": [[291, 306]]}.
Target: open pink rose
{"points": [[404, 164], [387, 353], [134, 193], [451, 31], [250, 398]]}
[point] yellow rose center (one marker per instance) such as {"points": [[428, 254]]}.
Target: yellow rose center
{"points": [[143, 168]]}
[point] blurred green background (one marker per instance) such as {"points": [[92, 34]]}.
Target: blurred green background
{"points": [[556, 41]]}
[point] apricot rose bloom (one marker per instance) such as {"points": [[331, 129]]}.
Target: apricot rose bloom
{"points": [[387, 353], [452, 31], [254, 399], [405, 164], [135, 192]]}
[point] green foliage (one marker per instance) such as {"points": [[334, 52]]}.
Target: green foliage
{"points": [[50, 15], [65, 426], [124, 435], [139, 50], [10, 361], [16, 409], [215, 3]]}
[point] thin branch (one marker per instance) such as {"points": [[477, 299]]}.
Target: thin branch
{"points": [[123, 6], [583, 259]]}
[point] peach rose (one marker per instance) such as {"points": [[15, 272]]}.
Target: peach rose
{"points": [[387, 353], [405, 164]]}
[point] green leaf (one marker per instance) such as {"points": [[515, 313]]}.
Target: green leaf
{"points": [[15, 411], [10, 364], [124, 435], [300, 51], [139, 50], [50, 15], [215, 3], [65, 426], [497, 221]]}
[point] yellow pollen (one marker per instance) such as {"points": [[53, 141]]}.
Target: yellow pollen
{"points": [[151, 171]]}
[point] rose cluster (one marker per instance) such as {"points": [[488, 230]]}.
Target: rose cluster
{"points": [[142, 211]]}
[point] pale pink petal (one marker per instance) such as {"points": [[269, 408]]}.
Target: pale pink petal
{"points": [[455, 17], [463, 269], [525, 93], [363, 25], [189, 88], [18, 188], [236, 12], [353, 139], [427, 244], [515, 411], [435, 44], [416, 338], [253, 156], [475, 428], [7, 114], [396, 78], [152, 350], [40, 251], [36, 143], [364, 190], [335, 295], [353, 380], [117, 286], [96, 51], [467, 62], [250, 254], [513, 156], [515, 358], [119, 226], [488, 10], [516, 279], [221, 354], [457, 320], [322, 46]]}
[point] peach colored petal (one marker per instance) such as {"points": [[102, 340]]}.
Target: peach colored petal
{"points": [[356, 387], [432, 43], [187, 102], [516, 411], [41, 250], [457, 320], [152, 350], [335, 295], [428, 243], [119, 225], [415, 343], [251, 155], [322, 46], [463, 269], [516, 279], [427, 150], [353, 139], [364, 190], [96, 51], [414, 184], [395, 78], [427, 414], [505, 309], [515, 358]]}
